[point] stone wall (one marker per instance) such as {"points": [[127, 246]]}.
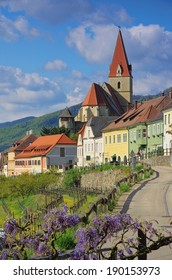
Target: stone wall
{"points": [[101, 180], [159, 161]]}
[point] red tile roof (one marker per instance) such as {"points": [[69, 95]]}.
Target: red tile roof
{"points": [[43, 144], [21, 144], [144, 112], [120, 58], [95, 96]]}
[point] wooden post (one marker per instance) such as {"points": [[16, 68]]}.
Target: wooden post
{"points": [[142, 244]]}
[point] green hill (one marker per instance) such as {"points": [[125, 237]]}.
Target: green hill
{"points": [[15, 130], [12, 131]]}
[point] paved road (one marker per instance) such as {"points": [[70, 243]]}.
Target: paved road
{"points": [[152, 200]]}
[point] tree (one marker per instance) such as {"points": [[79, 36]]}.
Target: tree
{"points": [[54, 130]]}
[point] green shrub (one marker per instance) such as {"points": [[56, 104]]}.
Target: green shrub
{"points": [[124, 187], [67, 240], [72, 178]]}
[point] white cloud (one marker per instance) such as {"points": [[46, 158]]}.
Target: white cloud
{"points": [[50, 11], [11, 30], [149, 83], [148, 49], [55, 65], [22, 94], [94, 42]]}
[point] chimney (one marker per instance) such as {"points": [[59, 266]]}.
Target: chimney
{"points": [[170, 93], [136, 105], [128, 106]]}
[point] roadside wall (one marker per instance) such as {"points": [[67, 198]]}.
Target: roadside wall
{"points": [[102, 180], [159, 161]]}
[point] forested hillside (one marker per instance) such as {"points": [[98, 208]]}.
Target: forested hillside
{"points": [[12, 131], [15, 130]]}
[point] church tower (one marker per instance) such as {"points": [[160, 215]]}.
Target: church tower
{"points": [[120, 75]]}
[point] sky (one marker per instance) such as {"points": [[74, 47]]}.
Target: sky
{"points": [[51, 51]]}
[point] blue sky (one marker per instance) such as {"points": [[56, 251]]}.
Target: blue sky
{"points": [[52, 50]]}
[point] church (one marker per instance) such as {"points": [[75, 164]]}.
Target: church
{"points": [[113, 98]]}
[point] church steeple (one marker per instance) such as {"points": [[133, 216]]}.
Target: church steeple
{"points": [[120, 74], [120, 65]]}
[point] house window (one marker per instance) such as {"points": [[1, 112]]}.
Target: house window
{"points": [[109, 139], [113, 138], [88, 133], [118, 138], [134, 135], [125, 137], [119, 85], [165, 119], [139, 133], [168, 118], [62, 152], [105, 139], [158, 129], [149, 131], [144, 132], [153, 130]]}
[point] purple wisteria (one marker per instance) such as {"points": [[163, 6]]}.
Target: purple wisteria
{"points": [[22, 242], [105, 237]]}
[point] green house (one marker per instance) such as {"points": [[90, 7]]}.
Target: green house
{"points": [[137, 138], [155, 134]]}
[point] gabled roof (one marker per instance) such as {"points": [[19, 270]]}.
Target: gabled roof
{"points": [[66, 113], [81, 131], [95, 96], [120, 59], [140, 113], [98, 123], [43, 144], [21, 144], [114, 102]]}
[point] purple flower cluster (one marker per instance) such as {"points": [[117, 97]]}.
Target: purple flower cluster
{"points": [[117, 232], [20, 241]]}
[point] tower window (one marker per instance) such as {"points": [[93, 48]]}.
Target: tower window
{"points": [[119, 85], [119, 70]]}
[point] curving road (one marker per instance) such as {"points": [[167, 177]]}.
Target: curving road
{"points": [[152, 200]]}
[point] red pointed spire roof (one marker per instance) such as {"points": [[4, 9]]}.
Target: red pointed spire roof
{"points": [[120, 59]]}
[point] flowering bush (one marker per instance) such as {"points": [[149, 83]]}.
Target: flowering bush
{"points": [[21, 242], [116, 237], [106, 237]]}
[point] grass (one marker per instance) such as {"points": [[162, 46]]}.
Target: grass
{"points": [[30, 202]]}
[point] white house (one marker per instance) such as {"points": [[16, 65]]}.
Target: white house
{"points": [[167, 121], [90, 148]]}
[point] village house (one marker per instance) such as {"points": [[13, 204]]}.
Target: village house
{"points": [[52, 151], [18, 147], [90, 141], [167, 121], [129, 133]]}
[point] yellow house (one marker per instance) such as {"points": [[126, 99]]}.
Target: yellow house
{"points": [[115, 143]]}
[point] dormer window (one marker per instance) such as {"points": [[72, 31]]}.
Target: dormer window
{"points": [[119, 70]]}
